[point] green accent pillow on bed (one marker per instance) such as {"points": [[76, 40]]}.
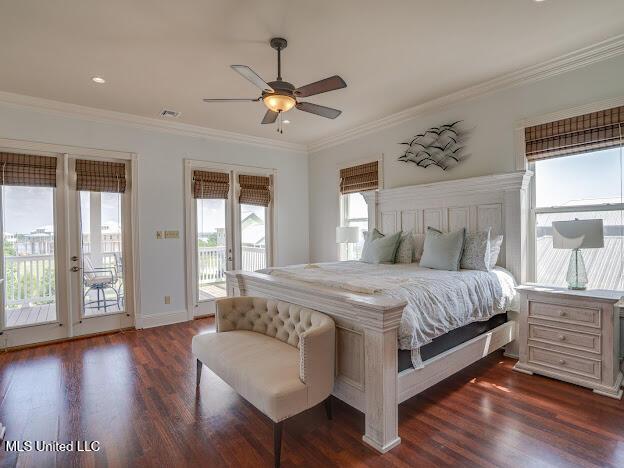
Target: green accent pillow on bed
{"points": [[379, 248], [443, 251]]}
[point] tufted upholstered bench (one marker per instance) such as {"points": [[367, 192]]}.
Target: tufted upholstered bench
{"points": [[278, 356]]}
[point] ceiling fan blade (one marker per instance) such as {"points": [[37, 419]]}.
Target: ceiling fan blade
{"points": [[270, 117], [252, 76], [231, 100], [318, 110], [318, 87]]}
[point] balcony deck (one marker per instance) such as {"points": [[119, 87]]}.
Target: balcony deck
{"points": [[33, 315], [210, 291]]}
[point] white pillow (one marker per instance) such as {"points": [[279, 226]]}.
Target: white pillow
{"points": [[495, 247]]}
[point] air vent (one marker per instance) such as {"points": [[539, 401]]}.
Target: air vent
{"points": [[169, 114]]}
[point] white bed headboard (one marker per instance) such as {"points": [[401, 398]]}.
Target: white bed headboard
{"points": [[476, 203]]}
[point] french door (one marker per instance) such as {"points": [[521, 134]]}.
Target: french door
{"points": [[99, 245], [230, 215], [65, 251]]}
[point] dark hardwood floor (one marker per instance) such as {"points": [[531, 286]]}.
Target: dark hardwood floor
{"points": [[135, 393]]}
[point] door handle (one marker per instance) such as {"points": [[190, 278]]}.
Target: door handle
{"points": [[75, 258]]}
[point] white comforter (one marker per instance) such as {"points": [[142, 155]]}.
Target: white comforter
{"points": [[437, 301]]}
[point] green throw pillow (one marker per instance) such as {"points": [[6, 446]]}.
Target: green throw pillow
{"points": [[443, 251], [380, 249]]}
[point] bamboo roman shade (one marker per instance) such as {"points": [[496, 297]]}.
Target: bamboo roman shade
{"points": [[359, 178], [254, 190], [210, 185], [28, 170], [589, 132], [100, 176]]}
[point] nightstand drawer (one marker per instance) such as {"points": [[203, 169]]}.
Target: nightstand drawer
{"points": [[564, 362], [565, 313], [566, 338]]}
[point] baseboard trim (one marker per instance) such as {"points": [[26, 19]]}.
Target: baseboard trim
{"points": [[158, 320]]}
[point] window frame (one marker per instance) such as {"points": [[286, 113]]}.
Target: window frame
{"points": [[344, 221], [534, 211]]}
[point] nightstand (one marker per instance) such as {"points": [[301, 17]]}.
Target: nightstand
{"points": [[572, 336]]}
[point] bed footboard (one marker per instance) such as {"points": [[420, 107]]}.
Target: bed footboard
{"points": [[366, 346]]}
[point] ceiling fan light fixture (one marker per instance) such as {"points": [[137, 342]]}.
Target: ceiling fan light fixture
{"points": [[279, 102]]}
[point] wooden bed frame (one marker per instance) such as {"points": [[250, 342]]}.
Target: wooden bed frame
{"points": [[366, 340]]}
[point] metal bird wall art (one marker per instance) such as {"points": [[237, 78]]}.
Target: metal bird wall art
{"points": [[439, 146]]}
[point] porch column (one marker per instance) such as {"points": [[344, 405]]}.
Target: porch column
{"points": [[95, 228]]}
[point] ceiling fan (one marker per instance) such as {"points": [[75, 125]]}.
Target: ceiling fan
{"points": [[280, 96]]}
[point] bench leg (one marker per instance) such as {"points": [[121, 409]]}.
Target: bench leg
{"points": [[277, 442], [199, 370], [328, 407]]}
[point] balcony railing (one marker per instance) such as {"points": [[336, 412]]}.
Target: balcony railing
{"points": [[212, 265], [30, 280]]}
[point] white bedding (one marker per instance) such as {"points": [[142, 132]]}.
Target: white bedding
{"points": [[437, 301]]}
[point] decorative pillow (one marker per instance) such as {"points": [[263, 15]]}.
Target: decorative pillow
{"points": [[419, 243], [443, 251], [495, 246], [405, 249], [382, 249], [368, 238], [476, 255]]}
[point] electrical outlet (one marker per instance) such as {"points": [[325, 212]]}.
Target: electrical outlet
{"points": [[160, 235], [167, 299]]}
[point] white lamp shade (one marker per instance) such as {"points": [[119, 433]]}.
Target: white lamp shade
{"points": [[578, 234], [345, 234]]}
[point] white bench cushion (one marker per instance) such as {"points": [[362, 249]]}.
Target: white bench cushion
{"points": [[263, 370]]}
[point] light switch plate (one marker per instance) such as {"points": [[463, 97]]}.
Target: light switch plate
{"points": [[172, 234]]}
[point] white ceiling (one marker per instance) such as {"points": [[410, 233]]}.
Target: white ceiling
{"points": [[392, 54]]}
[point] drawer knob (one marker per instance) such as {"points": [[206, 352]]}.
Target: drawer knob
{"points": [[562, 361], [561, 337], [562, 313]]}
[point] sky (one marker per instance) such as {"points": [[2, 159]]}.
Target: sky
{"points": [[25, 209], [573, 180], [211, 214]]}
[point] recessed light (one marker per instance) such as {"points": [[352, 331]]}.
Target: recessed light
{"points": [[98, 80], [286, 121]]}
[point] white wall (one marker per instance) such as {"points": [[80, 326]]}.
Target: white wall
{"points": [[491, 117], [161, 195]]}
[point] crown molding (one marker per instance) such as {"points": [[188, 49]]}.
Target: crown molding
{"points": [[604, 50], [106, 116], [518, 180]]}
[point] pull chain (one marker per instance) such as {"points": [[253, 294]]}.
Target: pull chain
{"points": [[280, 123]]}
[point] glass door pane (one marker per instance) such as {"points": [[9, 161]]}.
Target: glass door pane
{"points": [[28, 254], [102, 253], [212, 248], [253, 237]]}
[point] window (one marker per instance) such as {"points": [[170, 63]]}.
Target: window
{"points": [[584, 186], [354, 212]]}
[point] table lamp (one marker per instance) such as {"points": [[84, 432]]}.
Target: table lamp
{"points": [[347, 235], [576, 235]]}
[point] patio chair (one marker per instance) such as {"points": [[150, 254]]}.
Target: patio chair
{"points": [[119, 270], [99, 279]]}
